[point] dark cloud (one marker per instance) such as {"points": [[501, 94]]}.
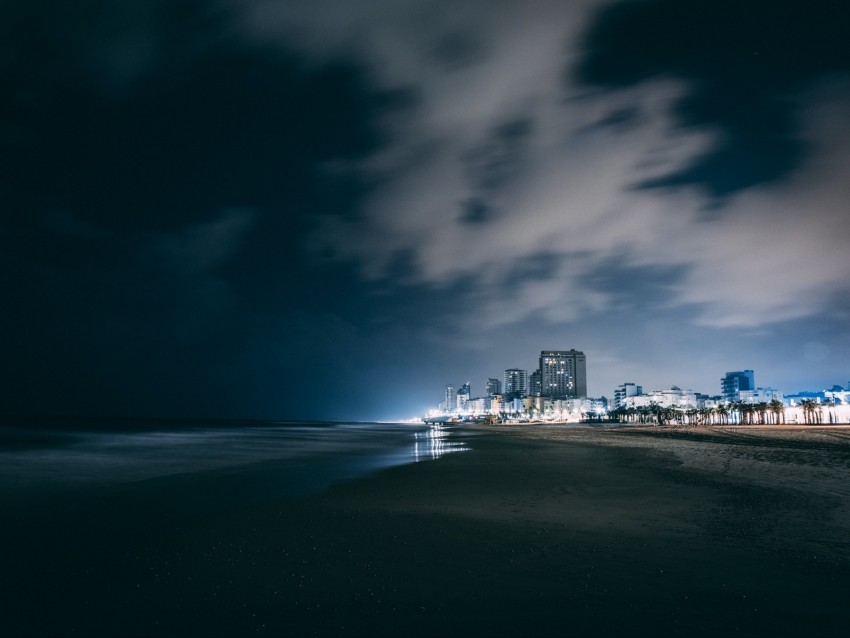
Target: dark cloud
{"points": [[233, 129], [154, 216], [541, 266], [455, 50], [475, 211], [743, 62], [634, 288]]}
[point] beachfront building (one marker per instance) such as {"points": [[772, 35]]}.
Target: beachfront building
{"points": [[513, 407], [516, 383], [533, 407], [711, 402], [627, 389], [494, 386], [450, 399], [570, 410], [675, 397], [759, 395], [535, 386], [838, 395], [496, 404], [478, 405], [734, 382], [790, 400], [463, 397], [563, 374]]}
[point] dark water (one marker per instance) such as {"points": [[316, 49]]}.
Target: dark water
{"points": [[107, 482], [197, 466]]}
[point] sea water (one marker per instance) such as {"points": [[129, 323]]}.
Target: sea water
{"points": [[143, 471]]}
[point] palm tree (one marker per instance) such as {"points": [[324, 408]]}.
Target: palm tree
{"points": [[743, 412], [806, 404], [761, 410], [811, 411], [778, 408], [736, 412], [831, 412]]}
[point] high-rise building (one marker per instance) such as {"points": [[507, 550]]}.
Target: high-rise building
{"points": [[563, 374], [449, 403], [463, 396], [734, 382], [516, 383], [535, 387], [494, 386]]}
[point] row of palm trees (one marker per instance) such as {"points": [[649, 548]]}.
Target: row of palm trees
{"points": [[812, 412], [735, 412]]}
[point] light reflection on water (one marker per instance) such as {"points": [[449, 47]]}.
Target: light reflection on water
{"points": [[436, 442]]}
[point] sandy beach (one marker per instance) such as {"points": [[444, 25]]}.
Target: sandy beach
{"points": [[543, 530]]}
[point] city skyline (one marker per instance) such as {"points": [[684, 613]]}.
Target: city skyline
{"points": [[733, 386]]}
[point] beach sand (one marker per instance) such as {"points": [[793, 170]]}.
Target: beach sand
{"points": [[539, 530]]}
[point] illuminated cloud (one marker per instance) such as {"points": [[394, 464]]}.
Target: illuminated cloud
{"points": [[501, 162]]}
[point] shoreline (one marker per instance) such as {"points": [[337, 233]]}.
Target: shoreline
{"points": [[551, 530]]}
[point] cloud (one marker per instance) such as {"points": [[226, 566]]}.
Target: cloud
{"points": [[501, 162], [780, 252], [743, 61]]}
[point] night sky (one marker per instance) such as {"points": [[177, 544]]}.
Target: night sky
{"points": [[330, 209]]}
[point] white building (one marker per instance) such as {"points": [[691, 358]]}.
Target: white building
{"points": [[625, 390], [673, 398], [760, 395]]}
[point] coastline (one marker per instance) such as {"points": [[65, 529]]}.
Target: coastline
{"points": [[537, 531]]}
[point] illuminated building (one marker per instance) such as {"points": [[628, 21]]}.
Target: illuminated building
{"points": [[463, 397], [494, 386], [516, 384], [734, 382], [534, 385], [563, 374], [626, 390]]}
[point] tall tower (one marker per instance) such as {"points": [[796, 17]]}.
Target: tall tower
{"points": [[535, 389], [516, 383], [563, 374], [449, 403], [494, 386], [463, 396]]}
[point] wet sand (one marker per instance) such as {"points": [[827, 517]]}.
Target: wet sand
{"points": [[538, 531]]}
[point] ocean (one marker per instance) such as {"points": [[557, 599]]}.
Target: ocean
{"points": [[198, 466], [91, 483]]}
